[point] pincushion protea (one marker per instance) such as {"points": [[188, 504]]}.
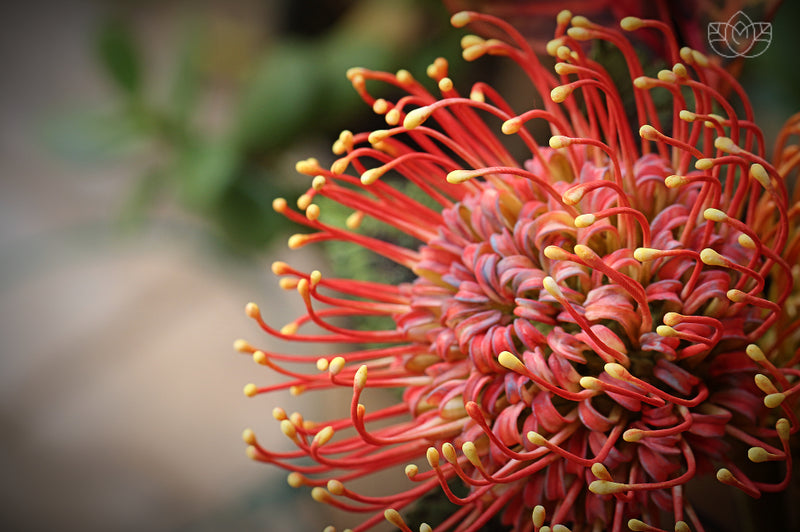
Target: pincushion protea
{"points": [[588, 329]]}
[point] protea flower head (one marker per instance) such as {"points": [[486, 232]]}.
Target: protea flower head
{"points": [[591, 325]]}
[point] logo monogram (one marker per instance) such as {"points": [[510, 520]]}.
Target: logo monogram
{"points": [[739, 37]]}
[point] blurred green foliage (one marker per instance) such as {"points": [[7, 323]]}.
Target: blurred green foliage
{"points": [[285, 96]]}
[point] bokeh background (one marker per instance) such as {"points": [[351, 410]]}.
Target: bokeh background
{"points": [[141, 144]]}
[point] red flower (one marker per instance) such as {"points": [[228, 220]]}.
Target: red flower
{"points": [[588, 330]]}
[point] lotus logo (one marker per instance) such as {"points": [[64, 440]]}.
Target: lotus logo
{"points": [[739, 36]]}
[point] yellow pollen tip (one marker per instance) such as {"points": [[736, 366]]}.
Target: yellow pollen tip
{"points": [[600, 471], [590, 383], [315, 277], [457, 177], [758, 455], [783, 427], [764, 383], [323, 436], [606, 487], [249, 436], [279, 205], [251, 452], [353, 221], [556, 253], [644, 83], [372, 175], [704, 164], [580, 21], [379, 135], [308, 166], [553, 45], [380, 107], [312, 212], [681, 526], [715, 215], [672, 319], [471, 452], [774, 400], [726, 144], [674, 181], [461, 19], [294, 479], [712, 258], [279, 414], [687, 116], [393, 516], [259, 357], [404, 76], [632, 435], [476, 95], [471, 40], [335, 487], [353, 72], [392, 117], [648, 132], [755, 353], [252, 310], [536, 438], [637, 526], [322, 364], [667, 76], [319, 494], [631, 23], [559, 141], [666, 331], [538, 515], [303, 202], [445, 84], [680, 70], [511, 126], [735, 295], [584, 252], [340, 165], [279, 268], [449, 452], [759, 173], [510, 362], [425, 527], [560, 93], [290, 328], [250, 390], [746, 242], [725, 476], [552, 287], [360, 378], [297, 241], [560, 528], [564, 16], [565, 68], [615, 370], [572, 196], [318, 182], [432, 455], [288, 429], [411, 471], [699, 59], [336, 365], [242, 346], [579, 33], [416, 117]]}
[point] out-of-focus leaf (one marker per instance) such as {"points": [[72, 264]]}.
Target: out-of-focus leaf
{"points": [[186, 81], [118, 54], [92, 136], [279, 98], [205, 169]]}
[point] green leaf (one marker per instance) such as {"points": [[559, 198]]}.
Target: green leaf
{"points": [[205, 170], [118, 55]]}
